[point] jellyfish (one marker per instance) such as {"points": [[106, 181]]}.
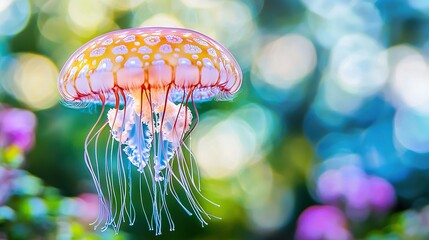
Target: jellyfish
{"points": [[146, 83]]}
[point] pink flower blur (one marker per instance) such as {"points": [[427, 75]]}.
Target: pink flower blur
{"points": [[17, 128], [87, 207], [322, 222]]}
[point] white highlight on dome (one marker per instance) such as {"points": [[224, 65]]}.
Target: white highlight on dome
{"points": [[207, 62], [133, 62], [105, 65], [119, 59], [158, 62], [184, 61]]}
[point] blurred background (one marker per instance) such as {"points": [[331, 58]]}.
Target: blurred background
{"points": [[327, 139]]}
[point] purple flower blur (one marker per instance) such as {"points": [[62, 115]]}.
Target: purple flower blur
{"points": [[322, 222], [360, 193], [382, 194], [16, 136], [6, 180], [17, 128]]}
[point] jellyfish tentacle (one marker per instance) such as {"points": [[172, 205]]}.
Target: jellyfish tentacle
{"points": [[184, 137], [192, 157], [167, 152], [161, 157], [96, 140], [152, 191], [109, 176], [153, 138], [184, 181], [101, 199], [197, 119], [120, 166], [151, 130], [171, 188], [141, 200]]}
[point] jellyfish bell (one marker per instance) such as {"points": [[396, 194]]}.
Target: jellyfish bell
{"points": [[150, 79]]}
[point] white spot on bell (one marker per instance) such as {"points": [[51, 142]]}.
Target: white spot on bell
{"points": [[189, 48], [121, 49], [107, 42], [165, 48], [152, 40], [97, 52], [144, 50], [173, 39], [201, 42], [130, 38], [212, 52], [194, 56]]}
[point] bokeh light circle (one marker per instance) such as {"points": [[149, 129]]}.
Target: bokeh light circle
{"points": [[410, 82], [410, 128], [14, 15], [162, 20], [34, 81], [284, 62], [224, 145]]}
